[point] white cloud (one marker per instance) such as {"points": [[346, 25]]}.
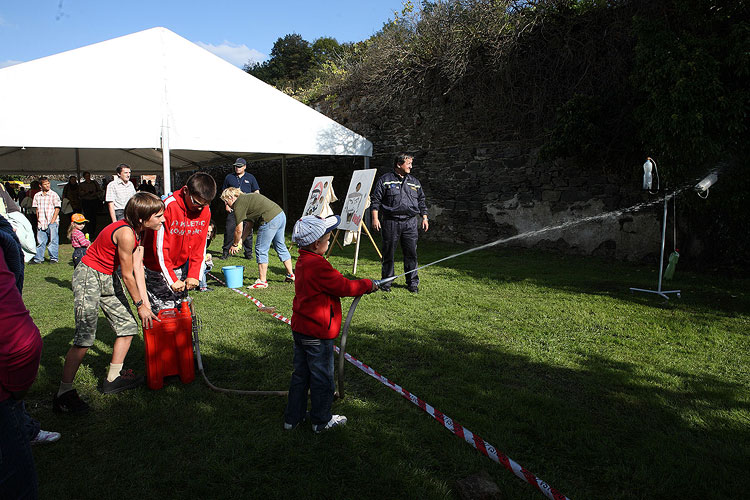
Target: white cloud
{"points": [[9, 62], [239, 55]]}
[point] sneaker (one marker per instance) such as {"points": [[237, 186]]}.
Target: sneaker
{"points": [[224, 256], [45, 437], [336, 420], [205, 289], [290, 427], [125, 381], [32, 262], [259, 284], [53, 262], [69, 402], [289, 278]]}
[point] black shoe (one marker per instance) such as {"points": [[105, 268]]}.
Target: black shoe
{"points": [[224, 256], [125, 381], [33, 262], [53, 262], [413, 289], [385, 289], [69, 402]]}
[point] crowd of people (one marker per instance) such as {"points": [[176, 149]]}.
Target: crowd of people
{"points": [[158, 248]]}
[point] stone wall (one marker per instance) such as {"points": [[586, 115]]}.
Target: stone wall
{"points": [[479, 190]]}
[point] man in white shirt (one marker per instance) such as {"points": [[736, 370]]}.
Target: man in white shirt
{"points": [[119, 191]]}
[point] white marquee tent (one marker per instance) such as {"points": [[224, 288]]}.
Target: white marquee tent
{"points": [[157, 102]]}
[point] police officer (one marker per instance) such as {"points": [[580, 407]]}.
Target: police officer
{"points": [[397, 199], [247, 184]]}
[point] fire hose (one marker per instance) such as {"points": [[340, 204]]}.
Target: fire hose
{"points": [[196, 346]]}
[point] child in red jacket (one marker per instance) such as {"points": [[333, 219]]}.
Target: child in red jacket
{"points": [[316, 321]]}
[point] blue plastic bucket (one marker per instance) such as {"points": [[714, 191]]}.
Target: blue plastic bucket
{"points": [[233, 275]]}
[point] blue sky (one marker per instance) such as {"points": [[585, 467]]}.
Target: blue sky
{"points": [[235, 30]]}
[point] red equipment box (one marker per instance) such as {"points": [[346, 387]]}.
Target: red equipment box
{"points": [[169, 347]]}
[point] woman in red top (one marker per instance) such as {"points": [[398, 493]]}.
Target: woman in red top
{"points": [[95, 285]]}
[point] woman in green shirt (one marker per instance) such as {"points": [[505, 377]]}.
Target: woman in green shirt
{"points": [[254, 209]]}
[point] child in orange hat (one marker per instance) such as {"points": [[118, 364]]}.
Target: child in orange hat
{"points": [[77, 239]]}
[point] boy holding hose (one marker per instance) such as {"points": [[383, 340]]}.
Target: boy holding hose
{"points": [[316, 321]]}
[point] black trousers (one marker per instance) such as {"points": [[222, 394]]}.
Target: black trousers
{"points": [[404, 232], [90, 209], [247, 244]]}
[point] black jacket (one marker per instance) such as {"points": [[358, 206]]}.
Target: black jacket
{"points": [[398, 197]]}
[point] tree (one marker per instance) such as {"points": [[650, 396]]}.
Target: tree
{"points": [[291, 59], [326, 49]]}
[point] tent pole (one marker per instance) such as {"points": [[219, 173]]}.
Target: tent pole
{"points": [[78, 165], [167, 175], [283, 184], [368, 216]]}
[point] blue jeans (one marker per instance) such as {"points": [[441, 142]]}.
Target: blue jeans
{"points": [[78, 253], [272, 232], [45, 237], [313, 370], [202, 281], [17, 470]]}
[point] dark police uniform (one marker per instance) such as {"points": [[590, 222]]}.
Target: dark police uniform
{"points": [[247, 184], [398, 201]]}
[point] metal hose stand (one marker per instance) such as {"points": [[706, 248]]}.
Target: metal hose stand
{"points": [[196, 345], [342, 347]]}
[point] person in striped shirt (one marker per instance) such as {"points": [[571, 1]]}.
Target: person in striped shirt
{"points": [[47, 204], [78, 240]]}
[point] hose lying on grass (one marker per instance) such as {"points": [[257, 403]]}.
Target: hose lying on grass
{"points": [[196, 346]]}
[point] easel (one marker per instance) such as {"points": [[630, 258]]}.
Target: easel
{"points": [[356, 248]]}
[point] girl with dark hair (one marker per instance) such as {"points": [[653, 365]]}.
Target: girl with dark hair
{"points": [[95, 285]]}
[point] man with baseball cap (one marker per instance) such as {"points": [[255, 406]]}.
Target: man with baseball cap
{"points": [[316, 321], [247, 184]]}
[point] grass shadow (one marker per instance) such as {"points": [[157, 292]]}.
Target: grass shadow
{"points": [[67, 284]]}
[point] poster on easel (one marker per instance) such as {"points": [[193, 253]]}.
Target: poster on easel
{"points": [[318, 196], [356, 199]]}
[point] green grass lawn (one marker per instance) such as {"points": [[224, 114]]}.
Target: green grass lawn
{"points": [[599, 392]]}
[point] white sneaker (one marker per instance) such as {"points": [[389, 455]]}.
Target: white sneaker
{"points": [[258, 284], [46, 437], [336, 420]]}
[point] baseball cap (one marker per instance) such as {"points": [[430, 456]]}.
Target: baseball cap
{"points": [[240, 162], [311, 227], [78, 218]]}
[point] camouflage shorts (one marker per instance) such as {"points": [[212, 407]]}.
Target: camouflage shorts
{"points": [[91, 290], [160, 294]]}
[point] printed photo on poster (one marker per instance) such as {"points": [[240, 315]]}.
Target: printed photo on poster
{"points": [[357, 198], [318, 194]]}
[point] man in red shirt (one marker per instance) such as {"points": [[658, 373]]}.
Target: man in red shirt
{"points": [[175, 255]]}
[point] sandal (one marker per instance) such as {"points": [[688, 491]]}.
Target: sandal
{"points": [[259, 284]]}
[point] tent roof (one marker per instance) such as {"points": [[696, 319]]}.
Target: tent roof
{"points": [[114, 102]]}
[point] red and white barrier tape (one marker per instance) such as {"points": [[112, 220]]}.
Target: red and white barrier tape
{"points": [[477, 442], [255, 301]]}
